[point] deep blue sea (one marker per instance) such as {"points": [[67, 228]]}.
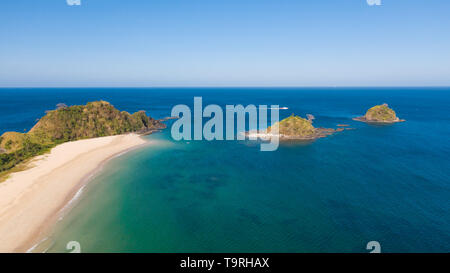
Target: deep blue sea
{"points": [[388, 183]]}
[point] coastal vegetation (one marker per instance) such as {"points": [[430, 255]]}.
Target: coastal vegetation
{"points": [[380, 114], [296, 127], [95, 119]]}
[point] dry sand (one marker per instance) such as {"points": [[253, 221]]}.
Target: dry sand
{"points": [[31, 200]]}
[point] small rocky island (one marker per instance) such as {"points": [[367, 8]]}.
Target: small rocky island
{"points": [[95, 119], [294, 128], [379, 114]]}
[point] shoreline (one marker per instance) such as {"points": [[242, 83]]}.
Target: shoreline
{"points": [[363, 119], [319, 133], [32, 201]]}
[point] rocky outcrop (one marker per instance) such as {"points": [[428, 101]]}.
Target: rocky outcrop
{"points": [[379, 114]]}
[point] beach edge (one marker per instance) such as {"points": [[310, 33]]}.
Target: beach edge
{"points": [[84, 159]]}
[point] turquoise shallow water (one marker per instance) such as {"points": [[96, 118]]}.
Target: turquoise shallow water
{"points": [[385, 183]]}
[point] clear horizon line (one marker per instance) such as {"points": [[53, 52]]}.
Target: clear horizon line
{"points": [[230, 86]]}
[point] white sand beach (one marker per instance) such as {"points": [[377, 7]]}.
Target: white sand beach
{"points": [[31, 200]]}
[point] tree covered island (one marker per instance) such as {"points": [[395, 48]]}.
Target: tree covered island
{"points": [[293, 128], [379, 114]]}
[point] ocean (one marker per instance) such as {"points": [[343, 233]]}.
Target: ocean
{"points": [[389, 184]]}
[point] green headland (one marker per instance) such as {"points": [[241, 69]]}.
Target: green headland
{"points": [[95, 119]]}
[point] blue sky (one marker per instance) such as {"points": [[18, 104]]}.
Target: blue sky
{"points": [[224, 43]]}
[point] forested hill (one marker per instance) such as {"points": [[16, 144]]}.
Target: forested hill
{"points": [[95, 119]]}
